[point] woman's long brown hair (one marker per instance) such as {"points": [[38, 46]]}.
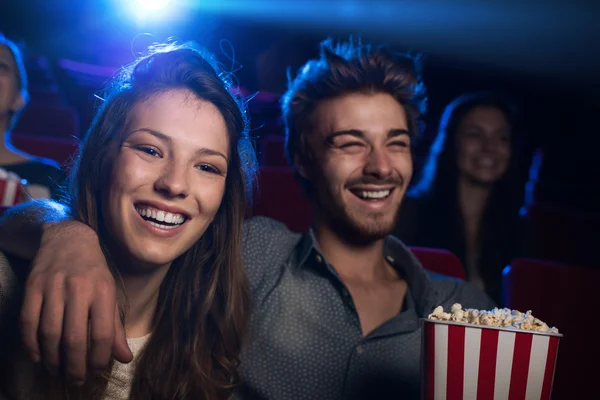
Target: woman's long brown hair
{"points": [[193, 352]]}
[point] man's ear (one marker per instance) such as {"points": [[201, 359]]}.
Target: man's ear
{"points": [[299, 165]]}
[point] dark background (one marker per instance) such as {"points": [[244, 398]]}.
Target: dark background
{"points": [[545, 54]]}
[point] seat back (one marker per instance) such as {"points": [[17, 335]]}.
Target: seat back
{"points": [[563, 296], [61, 150], [272, 151], [279, 196], [440, 261], [565, 236], [48, 120]]}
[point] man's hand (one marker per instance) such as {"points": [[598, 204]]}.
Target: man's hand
{"points": [[70, 289]]}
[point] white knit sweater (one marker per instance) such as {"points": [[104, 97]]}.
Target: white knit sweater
{"points": [[23, 386]]}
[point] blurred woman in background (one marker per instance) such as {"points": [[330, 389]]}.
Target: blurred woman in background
{"points": [[468, 196]]}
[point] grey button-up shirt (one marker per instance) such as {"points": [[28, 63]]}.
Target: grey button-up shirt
{"points": [[306, 341]]}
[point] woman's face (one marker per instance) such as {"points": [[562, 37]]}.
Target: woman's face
{"points": [[483, 145], [168, 179]]}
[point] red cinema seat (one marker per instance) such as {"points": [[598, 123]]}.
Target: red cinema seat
{"points": [[280, 197], [272, 151], [61, 150], [48, 120], [440, 261], [563, 296]]}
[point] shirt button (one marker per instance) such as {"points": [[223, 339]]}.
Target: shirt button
{"points": [[360, 349], [319, 258], [390, 259]]}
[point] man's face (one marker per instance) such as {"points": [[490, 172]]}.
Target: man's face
{"points": [[361, 164], [11, 99]]}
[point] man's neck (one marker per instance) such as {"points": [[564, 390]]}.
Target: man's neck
{"points": [[141, 292], [353, 262]]}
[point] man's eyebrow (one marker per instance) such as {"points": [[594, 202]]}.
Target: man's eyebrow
{"points": [[398, 132], [351, 132], [360, 134]]}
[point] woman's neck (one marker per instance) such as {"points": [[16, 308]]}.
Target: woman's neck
{"points": [[472, 199], [141, 294]]}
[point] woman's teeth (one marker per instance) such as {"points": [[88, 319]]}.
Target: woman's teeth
{"points": [[155, 217]]}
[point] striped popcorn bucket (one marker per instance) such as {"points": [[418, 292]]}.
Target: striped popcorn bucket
{"points": [[465, 361], [11, 192]]}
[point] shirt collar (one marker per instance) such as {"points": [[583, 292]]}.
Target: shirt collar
{"points": [[395, 252]]}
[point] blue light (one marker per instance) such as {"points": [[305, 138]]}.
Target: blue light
{"points": [[152, 5], [150, 11]]}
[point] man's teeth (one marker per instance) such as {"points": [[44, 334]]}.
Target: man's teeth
{"points": [[161, 216], [380, 194]]}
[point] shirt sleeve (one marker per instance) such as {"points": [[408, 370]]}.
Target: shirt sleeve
{"points": [[267, 244]]}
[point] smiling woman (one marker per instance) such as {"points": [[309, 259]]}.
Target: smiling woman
{"points": [[162, 177], [468, 195]]}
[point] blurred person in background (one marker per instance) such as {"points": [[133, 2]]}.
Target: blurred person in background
{"points": [[44, 177], [468, 196]]}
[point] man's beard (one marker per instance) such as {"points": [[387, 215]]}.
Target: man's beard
{"points": [[354, 228]]}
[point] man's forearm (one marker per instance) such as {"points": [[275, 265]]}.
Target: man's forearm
{"points": [[21, 227]]}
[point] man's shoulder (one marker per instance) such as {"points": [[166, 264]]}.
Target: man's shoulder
{"points": [[260, 227], [448, 290], [267, 244], [268, 238]]}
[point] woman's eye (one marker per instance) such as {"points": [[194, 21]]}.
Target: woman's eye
{"points": [[208, 168], [148, 150]]}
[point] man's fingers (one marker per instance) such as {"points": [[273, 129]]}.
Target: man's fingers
{"points": [[120, 349], [30, 320], [102, 327], [75, 330], [51, 323]]}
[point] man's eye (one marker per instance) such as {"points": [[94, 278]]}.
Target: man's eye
{"points": [[400, 143], [350, 144]]}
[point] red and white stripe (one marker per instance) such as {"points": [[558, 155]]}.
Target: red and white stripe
{"points": [[465, 362], [9, 192]]}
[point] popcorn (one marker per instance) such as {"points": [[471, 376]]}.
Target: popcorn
{"points": [[499, 317]]}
